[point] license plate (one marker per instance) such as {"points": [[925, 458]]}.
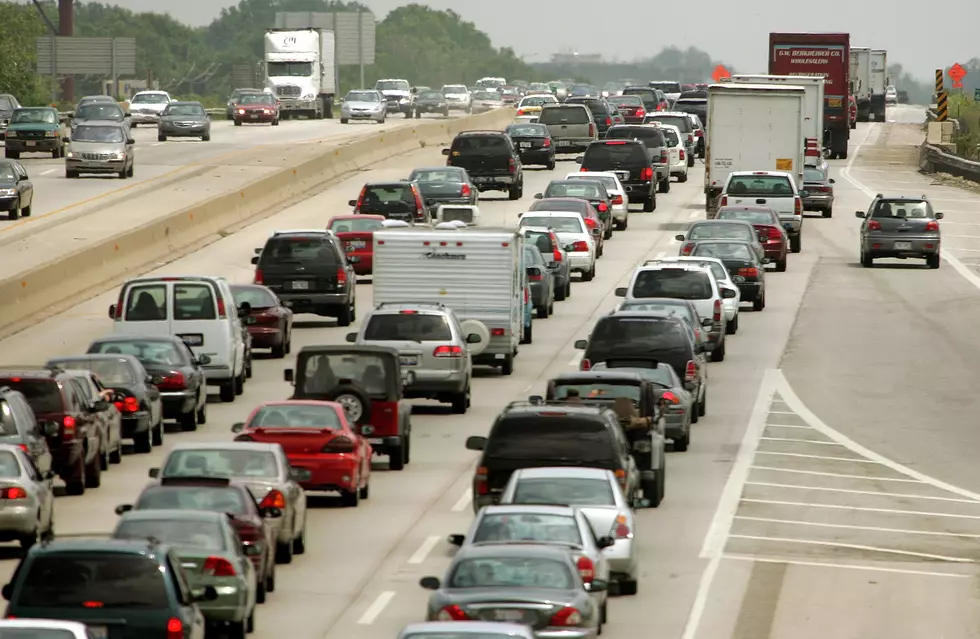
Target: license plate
{"points": [[98, 632], [300, 286], [31, 143], [408, 360], [525, 145], [192, 340], [355, 244], [508, 615], [377, 441], [481, 179], [903, 246], [564, 143], [254, 116], [787, 225]]}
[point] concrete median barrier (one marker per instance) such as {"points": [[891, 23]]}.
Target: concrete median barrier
{"points": [[53, 287]]}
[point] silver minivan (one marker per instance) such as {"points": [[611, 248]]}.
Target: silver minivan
{"points": [[100, 147]]}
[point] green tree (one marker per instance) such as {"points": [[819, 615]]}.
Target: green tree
{"points": [[691, 65], [20, 26]]}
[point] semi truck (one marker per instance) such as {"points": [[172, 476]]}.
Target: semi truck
{"points": [[879, 83], [752, 127], [827, 55], [300, 71], [860, 70], [812, 108]]}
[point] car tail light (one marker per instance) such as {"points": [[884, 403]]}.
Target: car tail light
{"points": [[687, 248], [591, 129], [691, 372], [447, 350], [581, 246], [775, 233], [218, 567], [173, 382], [69, 426], [617, 199], [547, 143], [338, 445], [602, 207], [452, 613], [585, 365], [511, 165], [797, 206], [664, 159], [646, 174], [621, 477], [874, 225], [682, 154], [465, 191], [527, 295], [498, 332], [535, 277], [717, 314], [520, 112], [622, 528], [640, 113], [480, 481], [608, 121], [341, 276], [258, 277], [699, 133], [175, 628], [565, 617], [119, 308], [24, 448], [360, 199], [267, 318], [274, 498], [127, 405], [750, 271], [690, 137], [14, 492], [670, 398], [932, 226], [222, 310], [589, 222], [556, 255], [586, 569]]}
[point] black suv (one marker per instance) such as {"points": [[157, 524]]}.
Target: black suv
{"points": [[68, 420], [19, 428], [651, 101], [630, 161], [400, 200], [652, 136], [536, 435], [309, 272], [491, 160]]}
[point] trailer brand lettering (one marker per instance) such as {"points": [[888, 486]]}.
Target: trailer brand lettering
{"points": [[436, 255]]}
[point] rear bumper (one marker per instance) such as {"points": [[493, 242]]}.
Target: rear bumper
{"points": [[885, 246], [428, 382], [818, 202], [775, 251], [133, 423], [265, 337], [32, 146], [538, 156], [177, 403], [750, 291], [306, 301], [328, 472], [494, 182], [17, 521], [579, 262], [639, 191], [571, 145]]}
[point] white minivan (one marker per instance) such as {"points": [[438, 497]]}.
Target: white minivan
{"points": [[199, 310]]}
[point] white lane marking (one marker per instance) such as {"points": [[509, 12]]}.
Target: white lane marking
{"points": [[424, 549], [464, 501], [694, 214], [834, 544], [376, 608], [838, 475], [864, 509], [799, 441], [817, 524], [527, 388], [820, 564], [781, 412], [871, 493], [157, 143], [48, 172], [950, 259], [823, 457], [792, 399], [575, 360], [724, 518], [788, 426]]}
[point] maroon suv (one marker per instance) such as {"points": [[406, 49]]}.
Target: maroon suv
{"points": [[69, 421]]}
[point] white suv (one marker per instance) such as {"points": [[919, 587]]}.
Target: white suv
{"points": [[691, 282], [775, 189]]}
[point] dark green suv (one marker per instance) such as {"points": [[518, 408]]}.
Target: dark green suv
{"points": [[119, 589], [35, 130]]}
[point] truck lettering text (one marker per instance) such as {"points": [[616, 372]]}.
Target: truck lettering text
{"points": [[434, 255]]}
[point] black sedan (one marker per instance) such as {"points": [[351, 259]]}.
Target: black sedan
{"points": [[431, 102], [16, 189], [533, 143], [742, 262], [133, 392], [445, 185], [540, 280], [176, 371]]}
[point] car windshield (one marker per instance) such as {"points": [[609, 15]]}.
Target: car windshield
{"points": [[7, 172], [453, 89], [431, 95], [903, 209], [813, 175], [6, 104], [598, 391], [673, 282], [720, 232], [255, 98], [34, 116], [98, 111], [557, 224], [111, 372], [296, 415], [323, 372], [211, 498], [106, 134], [147, 352], [571, 491], [723, 250], [511, 572], [448, 174], [110, 580], [608, 182], [745, 215], [527, 130], [9, 466], [392, 85], [185, 109], [538, 100], [289, 69], [356, 225], [43, 395], [150, 98], [745, 185], [569, 189], [408, 326], [254, 296], [363, 96], [221, 462], [193, 535], [545, 528]]}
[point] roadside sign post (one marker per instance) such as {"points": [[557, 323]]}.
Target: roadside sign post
{"points": [[957, 73], [720, 73]]}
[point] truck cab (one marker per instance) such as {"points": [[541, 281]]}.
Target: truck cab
{"points": [[398, 95]]}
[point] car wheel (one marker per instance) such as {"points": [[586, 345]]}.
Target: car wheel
{"points": [[933, 261], [275, 122], [238, 122], [514, 193], [461, 401], [551, 165], [561, 293], [284, 553], [663, 186], [345, 317], [260, 593], [227, 391], [702, 406], [396, 456], [14, 213], [206, 138], [627, 587], [542, 312], [653, 489], [344, 120], [781, 266], [161, 138], [796, 243], [759, 303], [650, 205], [93, 472], [299, 544], [141, 441], [365, 491], [279, 351], [130, 171], [115, 457], [718, 355], [188, 420], [682, 178], [270, 579], [350, 499], [828, 212], [240, 382], [508, 366], [528, 334], [681, 443], [202, 413], [732, 327]]}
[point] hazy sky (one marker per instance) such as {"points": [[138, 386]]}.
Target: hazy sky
{"points": [[735, 32]]}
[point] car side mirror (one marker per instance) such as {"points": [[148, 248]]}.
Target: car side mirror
{"points": [[112, 311], [473, 338], [620, 292], [680, 237], [568, 248], [581, 344], [538, 196], [596, 585], [153, 473], [707, 322], [252, 550], [287, 375], [300, 474], [124, 508], [7, 591], [456, 540], [597, 232], [446, 151], [728, 293], [204, 360], [579, 159], [605, 542], [271, 513], [209, 594], [238, 427], [51, 429], [939, 216], [257, 251], [831, 180], [707, 347], [352, 202], [351, 337], [689, 386], [430, 202], [859, 214], [255, 260], [244, 309], [476, 442], [130, 141], [766, 260], [408, 378], [429, 583], [155, 380]]}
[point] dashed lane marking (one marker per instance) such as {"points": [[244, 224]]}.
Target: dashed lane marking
{"points": [[464, 501], [855, 460], [818, 524], [424, 550], [376, 608], [799, 441], [788, 425]]}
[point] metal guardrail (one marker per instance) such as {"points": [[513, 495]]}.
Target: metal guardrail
{"points": [[934, 160]]}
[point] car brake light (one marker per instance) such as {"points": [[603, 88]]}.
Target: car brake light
{"points": [[874, 225], [339, 445], [547, 143], [527, 295], [670, 398], [581, 246], [90, 604], [585, 365], [682, 154], [640, 113], [480, 481], [646, 174], [586, 569], [511, 165], [614, 142], [498, 332], [690, 137], [175, 628], [273, 499], [699, 133], [602, 207], [797, 206], [608, 121], [775, 233], [465, 191], [341, 276], [14, 492], [691, 372], [663, 157], [173, 382], [566, 617], [589, 222], [687, 248], [591, 129], [535, 277], [128, 405], [218, 567], [360, 199], [617, 199], [447, 350], [932, 226], [556, 255], [258, 277], [452, 613], [749, 272], [724, 201], [69, 424], [622, 528], [222, 311], [716, 317], [119, 308]]}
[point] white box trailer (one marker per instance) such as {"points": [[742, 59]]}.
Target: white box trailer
{"points": [[812, 108], [752, 127], [879, 82], [477, 272], [861, 81]]}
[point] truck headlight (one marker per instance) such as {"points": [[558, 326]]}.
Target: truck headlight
{"points": [[7, 192], [11, 134], [118, 156]]}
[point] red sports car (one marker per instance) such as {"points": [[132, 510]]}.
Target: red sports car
{"points": [[316, 437], [356, 232], [269, 322], [256, 107]]}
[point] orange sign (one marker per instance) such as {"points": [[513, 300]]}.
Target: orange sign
{"points": [[720, 73], [957, 73]]}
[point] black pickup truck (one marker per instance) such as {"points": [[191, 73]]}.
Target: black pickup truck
{"points": [[490, 159]]}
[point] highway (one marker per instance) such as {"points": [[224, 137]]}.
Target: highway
{"points": [[825, 494]]}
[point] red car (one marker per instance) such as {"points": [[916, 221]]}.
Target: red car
{"points": [[256, 107], [268, 322], [356, 232], [772, 236], [631, 106], [316, 437]]}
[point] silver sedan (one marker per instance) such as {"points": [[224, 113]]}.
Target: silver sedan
{"points": [[28, 512], [596, 494], [466, 630]]}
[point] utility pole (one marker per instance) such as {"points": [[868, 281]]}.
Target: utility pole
{"points": [[66, 28]]}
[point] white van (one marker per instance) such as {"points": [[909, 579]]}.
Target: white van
{"points": [[477, 272], [199, 310]]}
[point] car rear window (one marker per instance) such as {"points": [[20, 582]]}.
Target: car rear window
{"points": [[556, 224], [651, 136], [671, 137], [232, 461], [608, 182], [111, 372], [256, 296], [146, 303], [667, 87], [408, 327], [149, 353], [627, 101], [551, 437], [194, 302], [543, 528], [583, 190], [601, 153], [564, 115], [527, 130], [660, 374], [723, 250], [212, 498], [300, 248], [9, 466], [598, 390], [480, 143], [510, 573], [682, 122], [745, 215], [355, 225], [110, 580], [673, 282], [759, 185], [720, 232], [813, 175], [43, 395], [615, 333], [647, 95], [572, 491], [540, 240], [903, 208], [194, 535], [554, 204]]}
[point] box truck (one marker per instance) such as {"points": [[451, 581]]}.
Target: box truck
{"points": [[812, 108], [299, 71], [823, 54], [752, 127], [879, 82], [860, 70]]}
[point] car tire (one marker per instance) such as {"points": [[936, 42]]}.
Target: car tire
{"points": [[188, 420], [14, 213], [690, 162], [93, 472], [122, 174], [551, 165], [461, 401], [345, 316], [260, 592], [350, 499], [365, 491], [528, 334], [663, 186], [759, 303], [237, 629], [141, 441], [653, 490], [650, 205], [26, 211], [206, 138], [515, 193], [702, 406], [695, 413], [240, 383], [508, 366], [718, 355], [116, 454], [156, 434], [682, 178], [542, 312], [781, 266], [279, 351], [796, 243], [732, 326], [396, 457], [284, 553], [590, 275], [238, 122], [299, 543], [627, 587], [71, 175], [562, 292], [933, 261], [11, 155], [226, 391], [828, 212], [681, 443], [161, 138], [344, 120], [356, 394], [270, 579]]}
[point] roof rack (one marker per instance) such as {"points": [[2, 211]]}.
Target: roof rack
{"points": [[439, 305]]}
